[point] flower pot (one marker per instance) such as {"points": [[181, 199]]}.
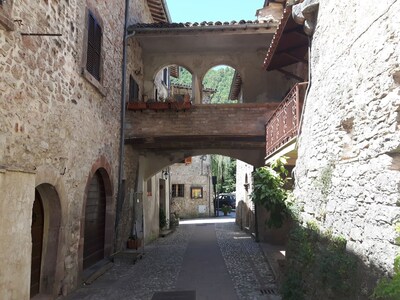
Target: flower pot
{"points": [[180, 106], [156, 106], [133, 244], [135, 106]]}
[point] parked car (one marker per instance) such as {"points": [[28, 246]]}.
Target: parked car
{"points": [[226, 199]]}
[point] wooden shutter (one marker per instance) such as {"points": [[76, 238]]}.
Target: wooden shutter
{"points": [[94, 47], [95, 214]]}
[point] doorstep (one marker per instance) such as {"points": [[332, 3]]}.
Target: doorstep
{"points": [[95, 271]]}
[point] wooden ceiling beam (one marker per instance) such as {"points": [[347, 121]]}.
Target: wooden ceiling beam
{"points": [[291, 49], [290, 75], [302, 60]]}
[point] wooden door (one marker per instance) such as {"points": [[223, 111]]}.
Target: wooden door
{"points": [[95, 215], [37, 243]]}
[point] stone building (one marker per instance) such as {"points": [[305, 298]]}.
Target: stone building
{"points": [[60, 87], [191, 187], [342, 134]]}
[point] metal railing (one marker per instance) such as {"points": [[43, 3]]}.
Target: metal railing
{"points": [[283, 125]]}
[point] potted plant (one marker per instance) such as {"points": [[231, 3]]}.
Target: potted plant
{"points": [[226, 209], [133, 242]]}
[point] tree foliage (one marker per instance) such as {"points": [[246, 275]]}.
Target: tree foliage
{"points": [[268, 191], [219, 79], [225, 169]]}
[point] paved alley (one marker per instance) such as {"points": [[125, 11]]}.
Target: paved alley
{"points": [[208, 259]]}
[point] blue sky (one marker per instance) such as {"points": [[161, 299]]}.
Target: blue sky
{"points": [[213, 10]]}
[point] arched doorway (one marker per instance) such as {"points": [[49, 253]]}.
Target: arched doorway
{"points": [[37, 243], [95, 221]]}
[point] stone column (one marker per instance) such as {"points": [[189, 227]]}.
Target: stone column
{"points": [[196, 88]]}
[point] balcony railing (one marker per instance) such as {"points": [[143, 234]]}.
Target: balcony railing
{"points": [[283, 125]]}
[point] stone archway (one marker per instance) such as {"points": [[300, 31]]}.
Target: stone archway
{"points": [[100, 172]]}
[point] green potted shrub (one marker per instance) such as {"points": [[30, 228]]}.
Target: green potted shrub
{"points": [[226, 209]]}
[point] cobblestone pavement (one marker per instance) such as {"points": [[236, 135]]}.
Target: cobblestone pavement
{"points": [[160, 267]]}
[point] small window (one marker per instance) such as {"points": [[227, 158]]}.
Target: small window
{"points": [[133, 90], [93, 58], [196, 192], [149, 187], [178, 190]]}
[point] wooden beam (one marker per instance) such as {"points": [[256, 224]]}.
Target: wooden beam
{"points": [[295, 57], [290, 75], [291, 49], [295, 30]]}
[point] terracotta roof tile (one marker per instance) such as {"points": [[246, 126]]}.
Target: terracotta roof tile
{"points": [[195, 24]]}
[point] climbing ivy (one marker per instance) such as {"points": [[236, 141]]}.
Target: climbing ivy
{"points": [[268, 191], [389, 289], [318, 266]]}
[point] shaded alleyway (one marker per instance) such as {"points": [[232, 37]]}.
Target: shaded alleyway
{"points": [[216, 260]]}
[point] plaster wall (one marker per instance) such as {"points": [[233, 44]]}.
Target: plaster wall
{"points": [[151, 206], [17, 196], [242, 170], [348, 172]]}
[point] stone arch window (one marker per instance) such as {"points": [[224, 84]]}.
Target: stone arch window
{"points": [[221, 84]]}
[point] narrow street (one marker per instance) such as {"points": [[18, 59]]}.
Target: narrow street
{"points": [[207, 258]]}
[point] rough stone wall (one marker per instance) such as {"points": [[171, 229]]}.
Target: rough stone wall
{"points": [[348, 172], [192, 175], [56, 119]]}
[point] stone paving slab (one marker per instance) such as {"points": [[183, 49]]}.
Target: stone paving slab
{"points": [[161, 266]]}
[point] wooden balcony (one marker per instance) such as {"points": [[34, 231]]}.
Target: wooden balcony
{"points": [[282, 127]]}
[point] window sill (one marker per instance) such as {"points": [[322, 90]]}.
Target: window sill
{"points": [[6, 22], [93, 81]]}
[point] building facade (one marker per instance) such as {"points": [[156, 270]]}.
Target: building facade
{"points": [[191, 188], [60, 86]]}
